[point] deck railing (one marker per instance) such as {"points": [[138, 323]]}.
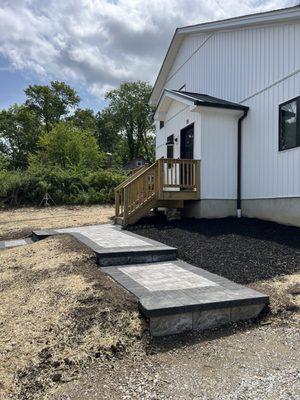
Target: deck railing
{"points": [[179, 173], [151, 182]]}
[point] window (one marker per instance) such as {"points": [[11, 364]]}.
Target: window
{"points": [[161, 124], [170, 146], [289, 124]]}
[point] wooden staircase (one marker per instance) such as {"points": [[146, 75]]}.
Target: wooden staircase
{"points": [[166, 183]]}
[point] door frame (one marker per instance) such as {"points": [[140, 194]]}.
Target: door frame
{"points": [[183, 129]]}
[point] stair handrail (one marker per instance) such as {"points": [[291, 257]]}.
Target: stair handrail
{"points": [[141, 173], [132, 177]]}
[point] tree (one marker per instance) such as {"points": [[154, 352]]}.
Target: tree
{"points": [[51, 103], [107, 131], [67, 146], [19, 133], [132, 115], [84, 119]]}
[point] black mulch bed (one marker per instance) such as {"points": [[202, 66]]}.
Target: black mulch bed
{"points": [[243, 250]]}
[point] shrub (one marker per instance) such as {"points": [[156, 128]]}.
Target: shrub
{"points": [[65, 186]]}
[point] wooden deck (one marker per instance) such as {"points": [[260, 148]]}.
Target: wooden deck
{"points": [[166, 183]]}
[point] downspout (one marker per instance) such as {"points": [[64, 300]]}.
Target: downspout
{"points": [[239, 165]]}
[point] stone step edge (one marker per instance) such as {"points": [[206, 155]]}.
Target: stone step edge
{"points": [[165, 311], [116, 256]]}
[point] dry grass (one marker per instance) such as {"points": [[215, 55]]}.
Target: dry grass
{"points": [[284, 292], [18, 223], [58, 312]]}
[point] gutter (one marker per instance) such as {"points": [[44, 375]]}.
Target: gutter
{"points": [[239, 164]]}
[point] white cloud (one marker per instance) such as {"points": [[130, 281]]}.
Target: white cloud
{"points": [[99, 43]]}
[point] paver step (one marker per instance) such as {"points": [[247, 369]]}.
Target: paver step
{"points": [[177, 296], [174, 295], [114, 245]]}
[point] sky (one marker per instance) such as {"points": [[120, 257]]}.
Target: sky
{"points": [[94, 45]]}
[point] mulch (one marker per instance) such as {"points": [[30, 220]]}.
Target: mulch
{"points": [[243, 250]]}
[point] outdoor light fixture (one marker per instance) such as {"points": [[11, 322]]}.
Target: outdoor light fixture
{"points": [[170, 140]]}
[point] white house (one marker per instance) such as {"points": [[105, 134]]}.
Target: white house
{"points": [[228, 94]]}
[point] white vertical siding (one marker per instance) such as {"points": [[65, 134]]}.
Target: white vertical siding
{"points": [[259, 66], [178, 116], [236, 64], [215, 144], [266, 171], [219, 150], [191, 45]]}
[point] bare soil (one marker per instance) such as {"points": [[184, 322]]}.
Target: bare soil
{"points": [[20, 222], [67, 331], [58, 312]]}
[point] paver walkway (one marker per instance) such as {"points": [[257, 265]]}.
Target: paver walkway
{"points": [[15, 243], [174, 295], [177, 296], [115, 246]]}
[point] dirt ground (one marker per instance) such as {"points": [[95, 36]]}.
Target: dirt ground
{"points": [[255, 360], [68, 332], [19, 223], [58, 312]]}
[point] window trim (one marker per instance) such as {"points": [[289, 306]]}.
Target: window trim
{"points": [[297, 100]]}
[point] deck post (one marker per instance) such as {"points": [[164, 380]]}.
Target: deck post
{"points": [[160, 177], [197, 177]]}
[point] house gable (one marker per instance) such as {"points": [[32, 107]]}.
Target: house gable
{"points": [[232, 59]]}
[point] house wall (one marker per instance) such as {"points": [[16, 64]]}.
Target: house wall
{"points": [[236, 64], [219, 155], [177, 117], [215, 144], [258, 67]]}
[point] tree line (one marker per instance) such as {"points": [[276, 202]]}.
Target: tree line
{"points": [[50, 144]]}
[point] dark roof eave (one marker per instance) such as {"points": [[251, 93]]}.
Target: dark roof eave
{"points": [[221, 105]]}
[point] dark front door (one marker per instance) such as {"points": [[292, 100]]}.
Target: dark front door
{"points": [[186, 152], [187, 142]]}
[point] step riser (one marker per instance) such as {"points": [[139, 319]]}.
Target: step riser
{"points": [[201, 320], [152, 251], [135, 258]]}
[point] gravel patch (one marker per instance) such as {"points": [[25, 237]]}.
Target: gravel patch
{"points": [[242, 250]]}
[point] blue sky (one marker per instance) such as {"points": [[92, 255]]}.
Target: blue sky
{"points": [[94, 45]]}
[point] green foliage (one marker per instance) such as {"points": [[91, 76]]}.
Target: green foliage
{"points": [[85, 120], [107, 131], [68, 147], [132, 116], [65, 186], [48, 144], [19, 133], [51, 103]]}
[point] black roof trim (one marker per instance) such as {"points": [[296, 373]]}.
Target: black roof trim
{"points": [[205, 100]]}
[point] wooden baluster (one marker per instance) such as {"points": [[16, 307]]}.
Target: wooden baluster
{"points": [[125, 199]]}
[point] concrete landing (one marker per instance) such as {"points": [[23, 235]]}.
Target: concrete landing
{"points": [[115, 246], [15, 243], [177, 296]]}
